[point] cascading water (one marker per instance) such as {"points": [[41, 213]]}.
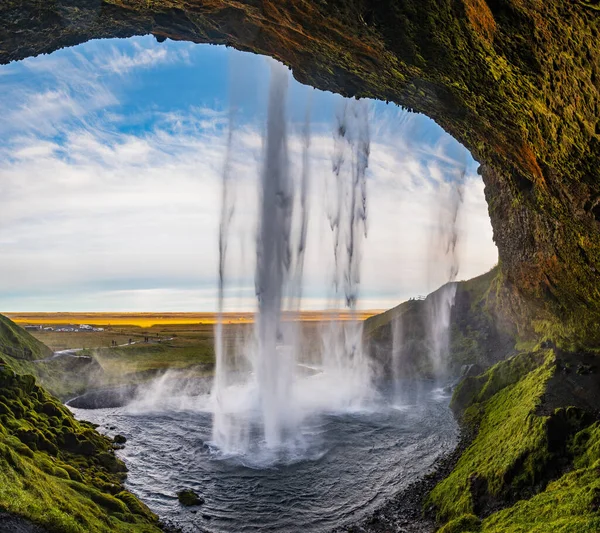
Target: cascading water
{"points": [[440, 303], [264, 409], [444, 266], [342, 348], [274, 367]]}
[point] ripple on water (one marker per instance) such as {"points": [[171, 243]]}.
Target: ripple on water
{"points": [[348, 465]]}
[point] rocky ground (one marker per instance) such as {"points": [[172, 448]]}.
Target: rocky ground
{"points": [[15, 524]]}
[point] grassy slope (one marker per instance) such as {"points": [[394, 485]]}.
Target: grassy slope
{"points": [[18, 344], [58, 472], [503, 408], [568, 505], [479, 334], [515, 456]]}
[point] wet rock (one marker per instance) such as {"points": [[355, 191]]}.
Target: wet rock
{"points": [[189, 498], [119, 439], [584, 370]]}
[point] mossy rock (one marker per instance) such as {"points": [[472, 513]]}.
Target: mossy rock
{"points": [[60, 472], [19, 447], [109, 502], [135, 505], [50, 409], [465, 524], [189, 498], [50, 462], [74, 474]]}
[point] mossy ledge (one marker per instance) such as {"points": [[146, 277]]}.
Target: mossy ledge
{"points": [[531, 466], [57, 472]]}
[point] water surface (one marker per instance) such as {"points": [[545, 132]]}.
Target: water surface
{"points": [[350, 464]]}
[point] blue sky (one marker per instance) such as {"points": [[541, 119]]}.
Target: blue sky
{"points": [[111, 156]]}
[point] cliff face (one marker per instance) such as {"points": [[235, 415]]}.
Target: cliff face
{"points": [[403, 337], [516, 82]]}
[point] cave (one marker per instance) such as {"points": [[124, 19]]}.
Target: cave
{"points": [[517, 84]]}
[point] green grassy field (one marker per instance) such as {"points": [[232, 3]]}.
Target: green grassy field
{"points": [[143, 352]]}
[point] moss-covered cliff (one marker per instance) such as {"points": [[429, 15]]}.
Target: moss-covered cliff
{"points": [[55, 471], [516, 82], [58, 472], [532, 465], [479, 333]]}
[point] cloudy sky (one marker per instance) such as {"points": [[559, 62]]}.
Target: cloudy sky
{"points": [[111, 157]]}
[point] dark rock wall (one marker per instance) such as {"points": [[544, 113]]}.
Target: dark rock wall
{"points": [[517, 82]]}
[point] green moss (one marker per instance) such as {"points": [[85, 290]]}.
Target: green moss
{"points": [[510, 450], [568, 505], [474, 391], [514, 456], [465, 524], [135, 505], [73, 473], [109, 502], [586, 446], [58, 472]]}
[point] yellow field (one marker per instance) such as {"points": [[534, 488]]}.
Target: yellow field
{"points": [[147, 320]]}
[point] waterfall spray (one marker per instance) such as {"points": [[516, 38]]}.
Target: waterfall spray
{"points": [[440, 303], [261, 413], [343, 350], [274, 367]]}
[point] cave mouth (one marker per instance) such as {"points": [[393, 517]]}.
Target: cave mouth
{"points": [[114, 157], [113, 153]]}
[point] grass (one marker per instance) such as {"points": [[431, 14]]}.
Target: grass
{"points": [[568, 505], [59, 472], [510, 449], [17, 343], [514, 463]]}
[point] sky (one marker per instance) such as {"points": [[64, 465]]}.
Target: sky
{"points": [[111, 163]]}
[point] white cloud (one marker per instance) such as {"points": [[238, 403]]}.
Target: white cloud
{"points": [[120, 61], [112, 209], [95, 219]]}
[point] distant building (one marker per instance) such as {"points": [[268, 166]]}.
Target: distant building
{"points": [[33, 328]]}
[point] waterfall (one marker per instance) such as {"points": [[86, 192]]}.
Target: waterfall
{"points": [[342, 350], [274, 365], [266, 385], [221, 423], [443, 263], [440, 303]]}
